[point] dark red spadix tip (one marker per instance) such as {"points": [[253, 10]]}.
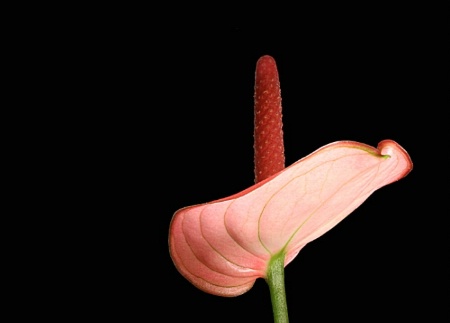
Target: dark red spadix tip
{"points": [[268, 128]]}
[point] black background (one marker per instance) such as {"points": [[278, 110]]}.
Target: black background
{"points": [[165, 120]]}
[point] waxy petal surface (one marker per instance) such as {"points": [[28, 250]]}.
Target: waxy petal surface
{"points": [[223, 246]]}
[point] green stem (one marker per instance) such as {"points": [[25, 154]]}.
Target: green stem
{"points": [[275, 280]]}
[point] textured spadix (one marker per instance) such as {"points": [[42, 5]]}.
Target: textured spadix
{"points": [[223, 246]]}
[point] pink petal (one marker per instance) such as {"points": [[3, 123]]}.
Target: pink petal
{"points": [[222, 247]]}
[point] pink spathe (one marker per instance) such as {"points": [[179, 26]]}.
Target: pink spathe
{"points": [[223, 246]]}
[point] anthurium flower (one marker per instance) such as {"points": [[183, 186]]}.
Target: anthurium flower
{"points": [[223, 246]]}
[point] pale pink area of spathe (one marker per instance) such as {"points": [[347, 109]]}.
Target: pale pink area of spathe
{"points": [[223, 246]]}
